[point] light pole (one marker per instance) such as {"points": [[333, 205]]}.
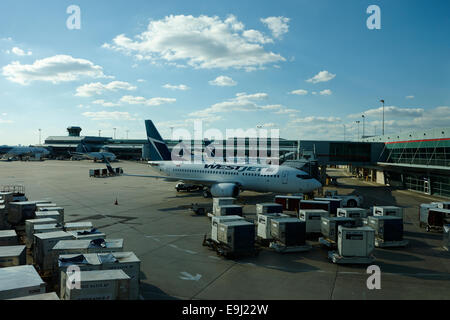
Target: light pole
{"points": [[40, 136], [127, 134], [382, 101], [363, 117], [114, 133], [344, 130], [171, 133], [357, 121], [99, 133]]}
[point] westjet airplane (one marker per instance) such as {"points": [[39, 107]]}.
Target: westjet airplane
{"points": [[82, 151], [21, 151], [225, 179]]}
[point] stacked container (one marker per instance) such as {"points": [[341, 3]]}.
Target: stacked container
{"points": [[263, 208], [313, 219], [290, 232], [264, 224], [356, 242], [238, 236], [215, 221], [329, 226]]}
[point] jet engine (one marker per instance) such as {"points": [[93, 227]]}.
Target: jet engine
{"points": [[224, 190]]}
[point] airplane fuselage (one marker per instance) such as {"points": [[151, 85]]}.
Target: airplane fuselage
{"points": [[255, 177]]}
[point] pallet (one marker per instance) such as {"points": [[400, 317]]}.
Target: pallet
{"points": [[327, 242], [390, 244], [284, 249], [338, 259]]}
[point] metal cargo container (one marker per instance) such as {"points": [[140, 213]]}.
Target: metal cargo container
{"points": [[126, 261], [356, 242], [20, 281], [313, 204], [388, 211], [239, 236], [18, 212], [101, 285], [41, 296], [289, 203], [334, 204], [289, 231], [58, 209], [8, 238], [12, 256], [329, 226], [387, 228], [229, 210], [43, 228], [423, 212], [446, 237], [44, 243], [437, 218], [215, 224], [313, 219], [50, 214], [86, 246], [264, 226], [40, 206], [218, 202], [74, 226], [31, 223], [88, 234], [356, 213], [262, 208]]}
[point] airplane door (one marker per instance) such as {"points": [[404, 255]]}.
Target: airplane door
{"points": [[284, 177]]}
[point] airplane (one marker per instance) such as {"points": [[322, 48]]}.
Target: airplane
{"points": [[93, 155], [222, 179], [21, 151]]}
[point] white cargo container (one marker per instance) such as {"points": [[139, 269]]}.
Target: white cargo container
{"points": [[215, 221], [44, 243], [126, 261], [41, 296], [388, 211], [423, 212], [6, 197], [356, 242], [20, 281], [100, 285], [50, 214], [264, 224], [313, 219], [85, 246], [74, 226], [262, 208], [8, 238], [231, 209], [356, 213], [218, 202], [29, 227], [11, 256], [58, 209]]}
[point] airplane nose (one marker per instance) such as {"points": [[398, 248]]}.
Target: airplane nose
{"points": [[316, 184]]}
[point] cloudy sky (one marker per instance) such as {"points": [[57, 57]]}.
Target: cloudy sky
{"points": [[305, 67]]}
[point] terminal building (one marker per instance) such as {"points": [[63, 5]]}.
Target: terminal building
{"points": [[418, 160]]}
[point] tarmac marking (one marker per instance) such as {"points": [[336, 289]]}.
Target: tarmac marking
{"points": [[185, 250], [188, 276], [175, 235]]}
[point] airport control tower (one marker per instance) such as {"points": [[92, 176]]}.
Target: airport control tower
{"points": [[74, 131]]}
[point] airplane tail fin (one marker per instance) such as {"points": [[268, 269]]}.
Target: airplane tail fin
{"points": [[158, 148], [81, 148]]}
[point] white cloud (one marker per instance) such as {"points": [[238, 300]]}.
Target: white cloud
{"points": [[223, 81], [299, 92], [391, 111], [322, 76], [200, 42], [148, 102], [19, 52], [97, 88], [56, 69], [278, 25], [106, 115], [105, 103], [6, 121], [326, 92], [256, 36], [141, 80], [315, 120], [176, 87], [409, 97]]}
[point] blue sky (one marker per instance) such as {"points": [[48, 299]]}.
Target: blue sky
{"points": [[305, 67]]}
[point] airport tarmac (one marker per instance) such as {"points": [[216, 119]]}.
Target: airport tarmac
{"points": [[155, 223]]}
